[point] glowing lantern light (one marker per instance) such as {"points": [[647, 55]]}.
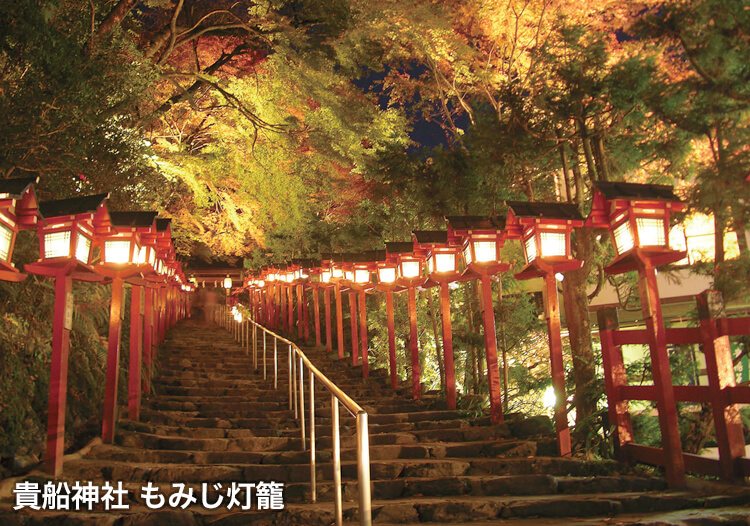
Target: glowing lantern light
{"points": [[18, 210], [227, 283], [545, 230], [637, 216]]}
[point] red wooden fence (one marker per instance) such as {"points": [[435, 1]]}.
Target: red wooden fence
{"points": [[721, 393]]}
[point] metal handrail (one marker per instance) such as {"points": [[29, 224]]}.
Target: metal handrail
{"points": [[241, 332]]}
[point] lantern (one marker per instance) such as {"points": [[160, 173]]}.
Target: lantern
{"points": [[637, 216], [69, 227], [227, 283], [18, 210], [544, 230], [409, 264], [442, 257], [480, 239], [130, 245]]}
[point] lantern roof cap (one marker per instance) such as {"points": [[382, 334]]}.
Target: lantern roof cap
{"points": [[476, 222], [566, 211], [73, 206], [17, 186], [651, 192], [431, 237], [163, 224], [370, 256], [133, 219], [399, 247]]}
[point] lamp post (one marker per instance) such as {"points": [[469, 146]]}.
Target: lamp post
{"points": [[364, 264], [409, 267], [124, 257], [315, 286], [348, 281], [481, 240], [544, 229], [18, 210], [442, 265], [637, 216], [65, 237], [337, 276], [325, 284], [387, 272]]}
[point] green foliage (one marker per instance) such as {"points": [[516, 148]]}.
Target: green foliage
{"points": [[26, 343]]}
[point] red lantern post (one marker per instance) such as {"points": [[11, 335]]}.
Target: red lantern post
{"points": [[337, 276], [325, 284], [387, 272], [481, 240], [18, 210], [410, 277], [125, 258], [637, 216], [442, 264], [65, 238], [348, 281], [544, 229]]}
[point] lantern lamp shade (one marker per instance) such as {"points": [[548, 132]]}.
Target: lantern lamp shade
{"points": [[387, 274], [325, 275], [442, 257], [481, 249], [637, 215], [544, 229], [69, 227], [18, 210], [6, 240], [410, 268], [481, 237], [117, 251], [441, 262], [227, 282], [361, 276]]}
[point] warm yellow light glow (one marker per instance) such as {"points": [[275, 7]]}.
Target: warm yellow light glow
{"points": [[531, 252], [261, 283], [271, 277], [141, 253], [117, 251], [289, 277], [337, 273], [325, 276], [227, 282], [57, 245], [651, 231], [553, 244], [467, 254], [361, 276], [623, 238], [443, 262], [485, 251], [349, 275], [410, 269], [387, 274], [6, 236], [152, 256], [83, 248]]}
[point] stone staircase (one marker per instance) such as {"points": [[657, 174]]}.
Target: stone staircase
{"points": [[213, 421]]}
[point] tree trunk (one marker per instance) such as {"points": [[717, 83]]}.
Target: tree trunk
{"points": [[116, 16], [586, 142], [579, 324], [564, 161]]}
